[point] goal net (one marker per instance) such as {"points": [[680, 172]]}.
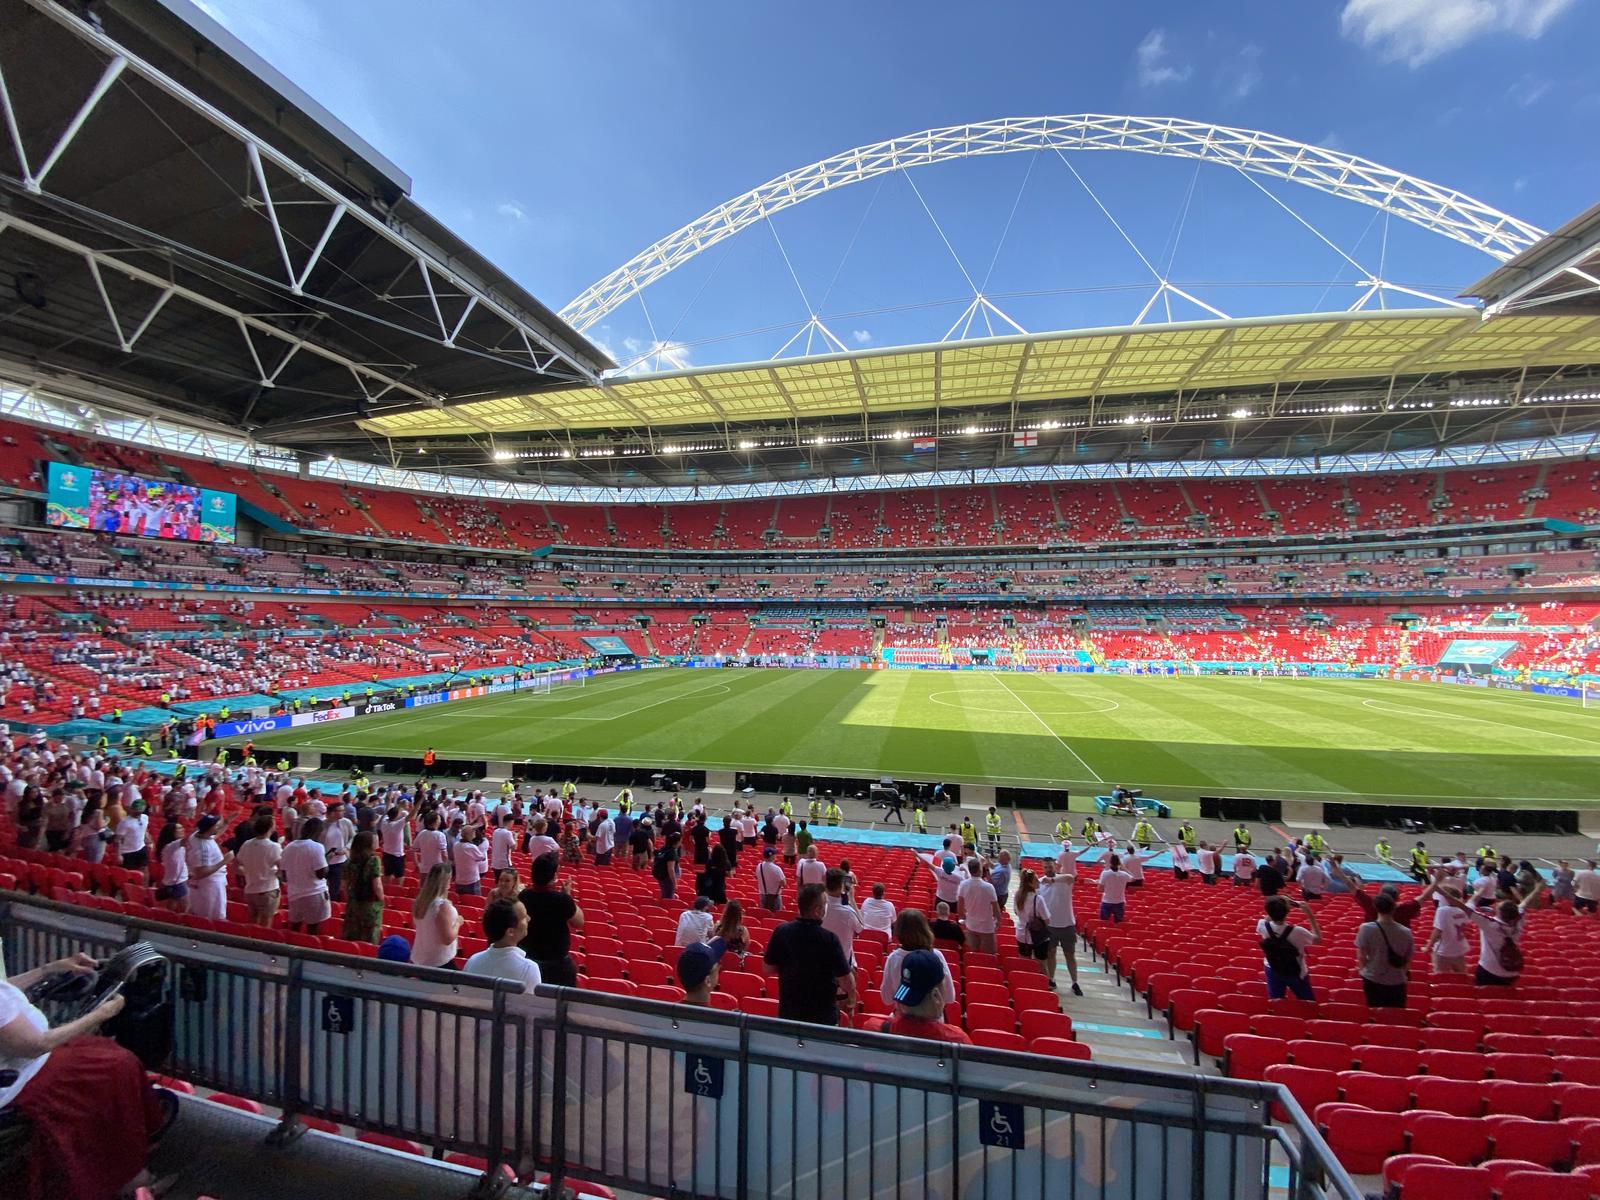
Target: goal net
{"points": [[547, 685]]}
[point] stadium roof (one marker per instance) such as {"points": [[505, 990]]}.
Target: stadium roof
{"points": [[1558, 274], [1167, 361], [186, 228]]}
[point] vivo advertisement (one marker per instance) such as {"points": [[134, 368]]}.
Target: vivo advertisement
{"points": [[116, 502]]}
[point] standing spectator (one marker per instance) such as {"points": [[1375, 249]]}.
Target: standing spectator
{"points": [[1561, 882], [337, 833], [392, 833], [700, 837], [1500, 936], [208, 871], [172, 857], [133, 837], [501, 843], [1447, 941], [305, 874], [1283, 946], [1180, 861], [1113, 885], [1586, 889], [978, 909], [436, 923], [840, 918], [553, 915], [432, 850], [363, 877], [812, 870], [695, 923], [920, 997], [1208, 861], [712, 883], [812, 970], [1313, 879], [665, 866], [469, 860], [506, 885], [876, 912], [1032, 919], [1383, 950], [605, 839], [1244, 868], [1056, 888], [789, 841], [1000, 877], [769, 882], [731, 931], [258, 862], [699, 967], [505, 924]]}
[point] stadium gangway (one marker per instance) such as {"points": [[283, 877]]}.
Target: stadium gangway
{"points": [[670, 1100]]}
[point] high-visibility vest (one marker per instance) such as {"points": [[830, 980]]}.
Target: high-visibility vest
{"points": [[786, 808], [1090, 827], [1143, 833], [1419, 857], [1241, 836], [920, 820], [992, 822], [1382, 849], [1187, 836], [1063, 829], [1315, 842], [969, 831], [834, 814]]}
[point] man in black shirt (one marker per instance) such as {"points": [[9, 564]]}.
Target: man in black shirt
{"points": [[1269, 878], [944, 929], [552, 915], [728, 839], [810, 964]]}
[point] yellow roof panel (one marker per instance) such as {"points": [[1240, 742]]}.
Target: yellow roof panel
{"points": [[1062, 365]]}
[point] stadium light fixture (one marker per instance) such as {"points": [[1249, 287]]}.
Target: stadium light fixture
{"points": [[504, 455], [1240, 414]]}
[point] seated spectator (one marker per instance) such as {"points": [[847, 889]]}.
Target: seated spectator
{"points": [[505, 924], [912, 932], [699, 967], [695, 924], [944, 928], [919, 999], [91, 1110]]}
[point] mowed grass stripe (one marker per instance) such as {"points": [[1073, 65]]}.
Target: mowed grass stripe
{"points": [[1315, 738]]}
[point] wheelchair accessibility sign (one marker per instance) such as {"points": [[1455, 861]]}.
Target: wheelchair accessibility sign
{"points": [[702, 1075], [338, 1014], [1000, 1125]]}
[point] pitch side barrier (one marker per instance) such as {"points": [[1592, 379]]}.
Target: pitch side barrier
{"points": [[670, 1100]]}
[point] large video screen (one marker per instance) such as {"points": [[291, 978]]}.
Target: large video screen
{"points": [[116, 502]]}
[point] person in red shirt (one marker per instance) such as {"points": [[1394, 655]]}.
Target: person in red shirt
{"points": [[1405, 911], [919, 1000]]}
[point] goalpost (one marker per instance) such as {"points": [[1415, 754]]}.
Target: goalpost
{"points": [[547, 685], [1589, 694]]}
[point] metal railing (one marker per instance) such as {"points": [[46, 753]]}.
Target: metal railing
{"points": [[679, 1101]]}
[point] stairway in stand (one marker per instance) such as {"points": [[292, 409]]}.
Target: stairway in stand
{"points": [[1114, 1025]]}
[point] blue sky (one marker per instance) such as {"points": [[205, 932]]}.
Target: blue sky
{"points": [[560, 139]]}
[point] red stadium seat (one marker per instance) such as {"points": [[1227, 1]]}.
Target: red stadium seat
{"points": [[1548, 1143], [1212, 1026], [1359, 1137], [1309, 1086], [1060, 1048], [998, 1039], [1431, 1181], [1038, 1024], [1459, 1140], [1327, 1056], [991, 1016], [1452, 1064], [242, 1103], [1246, 1056], [1577, 1100], [1458, 1097], [1578, 1070], [390, 1142], [1544, 1185], [1384, 1093], [1525, 1068], [1387, 1060], [1532, 1100], [1465, 1040]]}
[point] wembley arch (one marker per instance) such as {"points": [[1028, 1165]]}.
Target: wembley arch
{"points": [[1433, 207]]}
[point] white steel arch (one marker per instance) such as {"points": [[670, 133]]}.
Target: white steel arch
{"points": [[1438, 209]]}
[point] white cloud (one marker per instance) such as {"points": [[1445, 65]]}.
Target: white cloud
{"points": [[1243, 75], [1529, 90], [1418, 31], [1154, 61], [860, 336], [510, 209]]}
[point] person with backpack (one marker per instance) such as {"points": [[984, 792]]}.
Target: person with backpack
{"points": [[1283, 946], [1500, 934], [1383, 951]]}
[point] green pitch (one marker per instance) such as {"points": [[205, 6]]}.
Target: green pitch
{"points": [[1176, 737]]}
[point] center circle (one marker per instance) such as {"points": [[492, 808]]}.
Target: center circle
{"points": [[1099, 706]]}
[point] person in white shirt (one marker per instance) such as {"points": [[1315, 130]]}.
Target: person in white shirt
{"points": [[749, 828], [338, 831], [431, 846], [1448, 940], [913, 932], [469, 860], [505, 923], [208, 871], [876, 912], [258, 862], [1066, 864], [1031, 913], [811, 869], [539, 843], [501, 843], [1485, 887], [1244, 868], [1113, 885], [133, 836], [172, 856], [978, 908], [1586, 889], [781, 823], [948, 872], [839, 918], [696, 924], [1209, 862], [436, 925], [305, 873], [769, 881], [1313, 879], [1283, 947], [1180, 861], [1056, 889], [392, 831], [605, 839], [1133, 863]]}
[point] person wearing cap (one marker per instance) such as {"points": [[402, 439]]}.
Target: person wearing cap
{"points": [[395, 948], [920, 999], [813, 972], [208, 871], [699, 967]]}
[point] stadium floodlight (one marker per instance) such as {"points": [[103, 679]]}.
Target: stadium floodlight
{"points": [[504, 455], [1239, 414]]}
